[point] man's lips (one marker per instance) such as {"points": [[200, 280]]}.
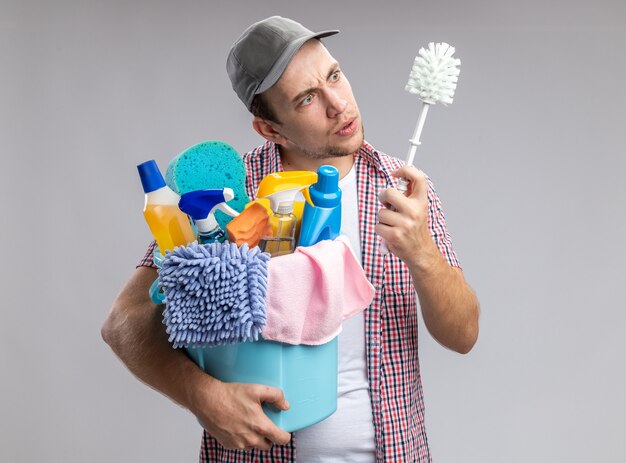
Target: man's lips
{"points": [[347, 128]]}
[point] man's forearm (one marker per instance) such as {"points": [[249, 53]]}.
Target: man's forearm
{"points": [[230, 412], [136, 334], [449, 306]]}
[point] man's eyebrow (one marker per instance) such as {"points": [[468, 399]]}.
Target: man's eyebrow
{"points": [[303, 93]]}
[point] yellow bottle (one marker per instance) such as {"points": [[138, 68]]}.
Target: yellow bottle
{"points": [[169, 225]]}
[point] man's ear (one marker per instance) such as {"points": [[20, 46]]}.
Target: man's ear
{"points": [[267, 130]]}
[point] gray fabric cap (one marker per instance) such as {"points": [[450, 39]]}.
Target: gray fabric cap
{"points": [[262, 53]]}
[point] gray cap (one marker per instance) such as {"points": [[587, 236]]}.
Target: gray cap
{"points": [[262, 53]]}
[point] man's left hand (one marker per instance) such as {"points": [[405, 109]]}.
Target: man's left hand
{"points": [[403, 222]]}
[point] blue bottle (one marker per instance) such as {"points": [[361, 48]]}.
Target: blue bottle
{"points": [[323, 221]]}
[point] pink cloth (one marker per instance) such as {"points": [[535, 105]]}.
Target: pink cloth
{"points": [[313, 290]]}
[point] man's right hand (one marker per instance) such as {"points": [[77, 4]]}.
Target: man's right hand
{"points": [[233, 414]]}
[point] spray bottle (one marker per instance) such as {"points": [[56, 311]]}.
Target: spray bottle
{"points": [[281, 189], [322, 221], [169, 225], [201, 206]]}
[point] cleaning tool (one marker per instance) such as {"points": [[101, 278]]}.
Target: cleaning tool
{"points": [[327, 285], [214, 293], [156, 295], [210, 165], [220, 336], [306, 374], [321, 219], [281, 238], [250, 226], [281, 189], [298, 209], [433, 79], [169, 225], [201, 206]]}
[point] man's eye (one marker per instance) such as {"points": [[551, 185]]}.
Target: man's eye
{"points": [[334, 77], [307, 100]]}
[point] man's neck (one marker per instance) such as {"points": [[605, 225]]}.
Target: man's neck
{"points": [[297, 161]]}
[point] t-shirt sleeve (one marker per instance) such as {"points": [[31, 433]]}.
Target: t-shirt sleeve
{"points": [[437, 226], [147, 259]]}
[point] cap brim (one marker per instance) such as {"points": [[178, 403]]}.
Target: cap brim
{"points": [[283, 61]]}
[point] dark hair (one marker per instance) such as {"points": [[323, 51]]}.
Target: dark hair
{"points": [[260, 107]]}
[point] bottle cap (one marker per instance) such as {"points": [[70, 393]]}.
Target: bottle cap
{"points": [[326, 192], [285, 207], [150, 175], [327, 179]]}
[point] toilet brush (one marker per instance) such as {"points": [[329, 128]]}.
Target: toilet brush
{"points": [[433, 79]]}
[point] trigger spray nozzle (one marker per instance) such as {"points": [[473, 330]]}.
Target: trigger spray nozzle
{"points": [[201, 206], [281, 188]]}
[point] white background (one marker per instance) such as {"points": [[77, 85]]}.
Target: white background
{"points": [[529, 162]]}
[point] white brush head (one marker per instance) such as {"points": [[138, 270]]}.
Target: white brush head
{"points": [[434, 74]]}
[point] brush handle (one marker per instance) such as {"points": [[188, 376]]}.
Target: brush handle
{"points": [[403, 185], [415, 141], [384, 250]]}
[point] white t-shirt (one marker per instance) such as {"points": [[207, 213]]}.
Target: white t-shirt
{"points": [[348, 434]]}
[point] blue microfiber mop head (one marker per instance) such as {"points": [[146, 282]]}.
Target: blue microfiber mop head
{"points": [[214, 294]]}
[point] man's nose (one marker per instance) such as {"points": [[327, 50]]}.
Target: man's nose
{"points": [[336, 104]]}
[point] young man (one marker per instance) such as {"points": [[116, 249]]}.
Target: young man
{"points": [[304, 107]]}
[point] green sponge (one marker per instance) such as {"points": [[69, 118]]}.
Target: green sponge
{"points": [[208, 165]]}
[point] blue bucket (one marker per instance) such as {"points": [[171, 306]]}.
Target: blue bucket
{"points": [[307, 376]]}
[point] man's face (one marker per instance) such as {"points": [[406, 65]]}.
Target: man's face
{"points": [[314, 103]]}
